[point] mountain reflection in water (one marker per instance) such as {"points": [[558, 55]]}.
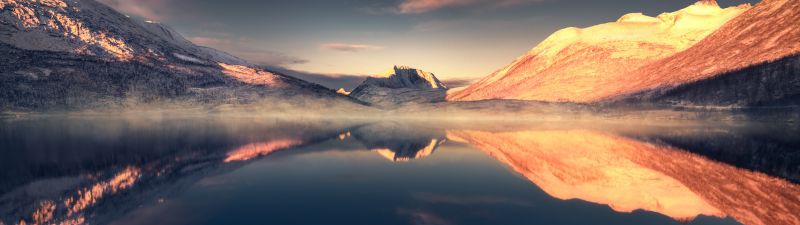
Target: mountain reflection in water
{"points": [[628, 174], [81, 171]]}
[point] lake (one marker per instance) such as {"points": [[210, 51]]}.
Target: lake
{"points": [[243, 170]]}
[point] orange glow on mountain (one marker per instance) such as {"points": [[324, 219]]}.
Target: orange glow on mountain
{"points": [[254, 150], [767, 32], [249, 75], [53, 18], [573, 64], [627, 175]]}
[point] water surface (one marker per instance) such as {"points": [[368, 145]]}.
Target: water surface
{"points": [[274, 171]]}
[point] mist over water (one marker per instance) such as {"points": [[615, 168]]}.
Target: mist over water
{"points": [[232, 169]]}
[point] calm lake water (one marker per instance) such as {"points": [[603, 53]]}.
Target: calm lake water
{"points": [[271, 171]]}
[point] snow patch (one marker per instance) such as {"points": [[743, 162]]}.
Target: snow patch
{"points": [[187, 58]]}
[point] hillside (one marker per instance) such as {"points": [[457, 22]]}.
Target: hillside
{"points": [[68, 55], [752, 60], [581, 65]]}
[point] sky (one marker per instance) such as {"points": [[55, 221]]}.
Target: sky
{"points": [[455, 39]]}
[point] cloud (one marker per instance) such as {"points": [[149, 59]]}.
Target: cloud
{"points": [[468, 200], [332, 81], [149, 9], [468, 25], [454, 83], [423, 6], [248, 49], [343, 47], [422, 217]]}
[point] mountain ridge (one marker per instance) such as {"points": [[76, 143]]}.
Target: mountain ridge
{"points": [[83, 54], [400, 85], [568, 65], [766, 34]]}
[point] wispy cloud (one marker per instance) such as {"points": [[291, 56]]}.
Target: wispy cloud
{"points": [[344, 47], [454, 83], [332, 81], [468, 200], [422, 217], [247, 49], [149, 9], [423, 6]]}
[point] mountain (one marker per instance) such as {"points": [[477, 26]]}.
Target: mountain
{"points": [[400, 85], [751, 61], [58, 54], [582, 65]]}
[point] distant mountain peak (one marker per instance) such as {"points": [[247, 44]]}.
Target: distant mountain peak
{"points": [[399, 85], [406, 77]]}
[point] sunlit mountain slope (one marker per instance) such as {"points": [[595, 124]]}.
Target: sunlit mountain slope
{"points": [[577, 65], [752, 60]]}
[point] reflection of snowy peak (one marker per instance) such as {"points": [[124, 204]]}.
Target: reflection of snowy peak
{"points": [[409, 152], [400, 85], [576, 64], [398, 142]]}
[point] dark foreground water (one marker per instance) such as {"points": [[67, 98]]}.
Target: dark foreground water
{"points": [[266, 171]]}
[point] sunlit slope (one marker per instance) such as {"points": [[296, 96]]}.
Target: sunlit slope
{"points": [[767, 32], [571, 64], [628, 174]]}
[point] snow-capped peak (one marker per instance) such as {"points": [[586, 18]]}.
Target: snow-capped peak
{"points": [[87, 27], [406, 77]]}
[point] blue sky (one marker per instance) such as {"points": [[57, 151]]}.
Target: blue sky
{"points": [[456, 39]]}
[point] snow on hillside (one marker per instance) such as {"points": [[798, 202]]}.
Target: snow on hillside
{"points": [[96, 57], [766, 33], [571, 64]]}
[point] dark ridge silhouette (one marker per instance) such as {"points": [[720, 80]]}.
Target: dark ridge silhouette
{"points": [[769, 149]]}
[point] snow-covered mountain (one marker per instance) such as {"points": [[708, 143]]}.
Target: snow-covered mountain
{"points": [[59, 54], [399, 85], [577, 65], [90, 28], [754, 60]]}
